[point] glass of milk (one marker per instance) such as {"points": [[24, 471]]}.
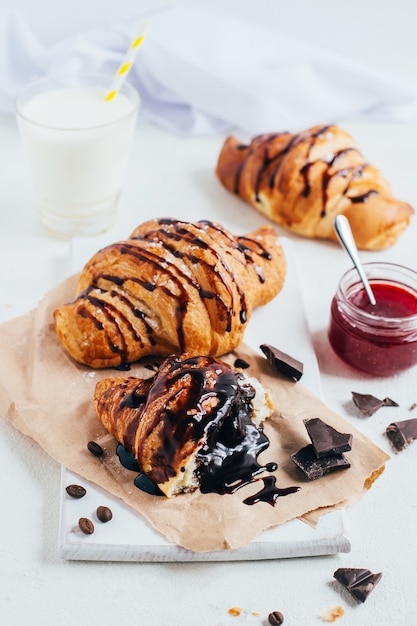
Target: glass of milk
{"points": [[78, 146]]}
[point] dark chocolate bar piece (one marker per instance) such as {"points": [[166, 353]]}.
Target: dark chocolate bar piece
{"points": [[313, 467], [369, 404], [359, 582], [327, 440], [402, 433], [283, 363]]}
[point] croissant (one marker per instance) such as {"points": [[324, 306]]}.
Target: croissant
{"points": [[171, 287], [302, 181], [194, 424]]}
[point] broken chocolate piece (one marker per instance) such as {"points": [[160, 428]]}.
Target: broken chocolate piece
{"points": [[284, 363], [369, 404], [402, 433], [313, 467], [359, 582], [327, 440]]}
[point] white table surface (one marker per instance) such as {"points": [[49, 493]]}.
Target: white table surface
{"points": [[172, 176]]}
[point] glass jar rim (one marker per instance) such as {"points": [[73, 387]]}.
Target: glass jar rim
{"points": [[390, 273]]}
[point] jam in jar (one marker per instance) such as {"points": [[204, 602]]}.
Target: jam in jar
{"points": [[379, 339]]}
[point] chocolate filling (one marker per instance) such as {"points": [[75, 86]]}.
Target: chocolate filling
{"points": [[229, 458], [216, 408]]}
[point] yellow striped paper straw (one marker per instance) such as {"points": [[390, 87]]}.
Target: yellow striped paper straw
{"points": [[126, 64]]}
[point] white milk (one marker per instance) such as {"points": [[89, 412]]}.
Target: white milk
{"points": [[78, 146], [78, 107]]}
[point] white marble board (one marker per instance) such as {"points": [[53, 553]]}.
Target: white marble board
{"points": [[127, 537]]}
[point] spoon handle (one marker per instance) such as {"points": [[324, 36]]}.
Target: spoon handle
{"points": [[344, 234]]}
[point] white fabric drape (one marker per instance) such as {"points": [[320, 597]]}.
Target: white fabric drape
{"points": [[200, 73]]}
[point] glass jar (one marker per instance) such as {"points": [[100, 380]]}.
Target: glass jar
{"points": [[378, 339]]}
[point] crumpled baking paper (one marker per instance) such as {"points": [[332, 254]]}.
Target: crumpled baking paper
{"points": [[49, 397]]}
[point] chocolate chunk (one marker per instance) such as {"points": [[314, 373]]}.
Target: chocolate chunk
{"points": [[284, 363], [313, 467], [368, 404], [359, 582], [326, 439], [401, 434]]}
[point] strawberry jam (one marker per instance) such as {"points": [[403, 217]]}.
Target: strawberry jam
{"points": [[379, 339]]}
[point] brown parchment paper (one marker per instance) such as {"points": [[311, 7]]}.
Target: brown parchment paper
{"points": [[48, 397]]}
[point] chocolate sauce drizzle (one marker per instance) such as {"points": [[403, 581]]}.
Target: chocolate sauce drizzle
{"points": [[270, 492], [118, 313], [216, 408], [272, 162], [249, 247], [141, 481], [307, 137], [203, 238], [364, 197], [212, 393]]}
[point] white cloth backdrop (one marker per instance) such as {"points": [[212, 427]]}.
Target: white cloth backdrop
{"points": [[200, 73]]}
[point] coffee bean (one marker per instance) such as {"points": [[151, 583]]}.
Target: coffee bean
{"points": [[104, 514], [95, 448], [75, 491], [86, 525], [275, 618], [242, 364]]}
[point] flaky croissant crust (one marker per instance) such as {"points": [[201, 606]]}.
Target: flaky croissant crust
{"points": [[173, 286], [303, 180], [163, 420], [179, 413]]}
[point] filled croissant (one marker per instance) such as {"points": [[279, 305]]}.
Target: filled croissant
{"points": [[195, 424], [171, 287], [302, 181]]}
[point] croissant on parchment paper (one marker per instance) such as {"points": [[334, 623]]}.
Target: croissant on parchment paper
{"points": [[173, 286], [196, 423], [302, 181]]}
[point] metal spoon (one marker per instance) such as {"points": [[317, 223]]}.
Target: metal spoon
{"points": [[344, 234]]}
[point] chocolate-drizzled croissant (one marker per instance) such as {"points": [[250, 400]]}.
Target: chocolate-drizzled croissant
{"points": [[196, 423], [171, 287], [302, 181]]}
